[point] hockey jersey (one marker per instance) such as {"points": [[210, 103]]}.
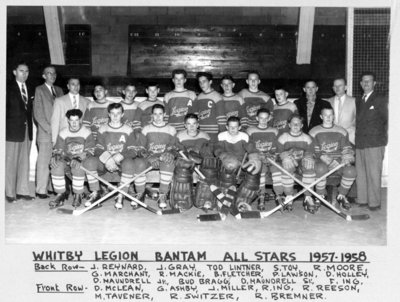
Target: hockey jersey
{"points": [[210, 109], [264, 140], [159, 138], [72, 144], [143, 113], [129, 113], [115, 140], [234, 106], [237, 145], [299, 146], [177, 105], [255, 101], [332, 141], [95, 116], [281, 115], [192, 142]]}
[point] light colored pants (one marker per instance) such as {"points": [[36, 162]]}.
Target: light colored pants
{"points": [[42, 166]]}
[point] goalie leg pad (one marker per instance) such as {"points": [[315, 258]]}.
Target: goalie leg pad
{"points": [[203, 192], [181, 195], [227, 177], [248, 190]]}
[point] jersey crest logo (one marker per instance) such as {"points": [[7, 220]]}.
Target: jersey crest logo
{"points": [[122, 139]]}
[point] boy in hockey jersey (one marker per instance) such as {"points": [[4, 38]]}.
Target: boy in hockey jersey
{"points": [[254, 98], [296, 151], [332, 147], [96, 113], [264, 139], [209, 107], [233, 103], [161, 147], [283, 109], [192, 138], [232, 147], [143, 111], [129, 104], [74, 144], [114, 151], [178, 101]]}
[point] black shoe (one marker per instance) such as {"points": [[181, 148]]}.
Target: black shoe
{"points": [[361, 205], [25, 197], [352, 200], [373, 209], [11, 199], [42, 196], [77, 200], [58, 201]]}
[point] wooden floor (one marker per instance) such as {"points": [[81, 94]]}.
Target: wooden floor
{"points": [[33, 222]]}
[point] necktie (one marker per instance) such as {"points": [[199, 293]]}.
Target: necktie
{"points": [[53, 92], [74, 103], [24, 95], [364, 98]]}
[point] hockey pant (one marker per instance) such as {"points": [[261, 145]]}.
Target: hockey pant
{"points": [[307, 177], [58, 177], [276, 175], [348, 175]]}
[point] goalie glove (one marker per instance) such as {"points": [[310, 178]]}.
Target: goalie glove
{"points": [[308, 162], [229, 161], [329, 161], [55, 159], [254, 164], [118, 158], [167, 157]]}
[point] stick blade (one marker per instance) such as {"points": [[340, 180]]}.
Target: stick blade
{"points": [[64, 211], [359, 217], [171, 211], [250, 215], [210, 217]]}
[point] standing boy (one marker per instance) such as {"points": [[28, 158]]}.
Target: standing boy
{"points": [[129, 104], [283, 109]]}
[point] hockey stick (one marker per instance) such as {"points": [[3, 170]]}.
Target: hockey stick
{"points": [[105, 197], [325, 202], [241, 165]]}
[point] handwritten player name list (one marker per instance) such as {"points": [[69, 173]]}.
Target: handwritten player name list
{"points": [[194, 276]]}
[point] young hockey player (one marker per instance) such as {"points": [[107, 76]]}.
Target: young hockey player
{"points": [[232, 147], [96, 113], [209, 107], [161, 147], [114, 152], [129, 104], [233, 103], [74, 144], [283, 109], [178, 101], [143, 111], [332, 147], [254, 98], [296, 151], [264, 139]]}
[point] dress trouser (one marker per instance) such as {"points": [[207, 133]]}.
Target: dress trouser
{"points": [[369, 163], [45, 150], [17, 167]]}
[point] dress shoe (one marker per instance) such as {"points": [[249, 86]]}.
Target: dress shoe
{"points": [[361, 205], [42, 196], [25, 197], [352, 200], [10, 199], [373, 209]]}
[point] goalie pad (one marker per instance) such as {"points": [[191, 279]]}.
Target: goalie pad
{"points": [[229, 161], [181, 194], [227, 177], [248, 190], [203, 192], [254, 164]]}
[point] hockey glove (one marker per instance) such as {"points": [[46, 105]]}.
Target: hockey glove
{"points": [[110, 165], [329, 161], [229, 161], [154, 161], [308, 162], [118, 158], [253, 165], [289, 163], [75, 163], [348, 158], [55, 160], [167, 157]]}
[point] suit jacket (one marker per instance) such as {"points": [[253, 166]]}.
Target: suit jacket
{"points": [[315, 120], [17, 116], [347, 115], [60, 108], [372, 121], [42, 111]]}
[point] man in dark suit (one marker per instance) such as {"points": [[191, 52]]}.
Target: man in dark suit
{"points": [[19, 99], [62, 104], [42, 110], [310, 106], [371, 139]]}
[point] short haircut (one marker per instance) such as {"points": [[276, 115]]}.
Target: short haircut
{"points": [[18, 63], [340, 78], [126, 86], [152, 84], [233, 119], [74, 112], [328, 108], [204, 74], [73, 78], [280, 87], [179, 71], [191, 115], [295, 115], [253, 72], [157, 106], [263, 110], [48, 66], [310, 80], [227, 77], [113, 106], [368, 73]]}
